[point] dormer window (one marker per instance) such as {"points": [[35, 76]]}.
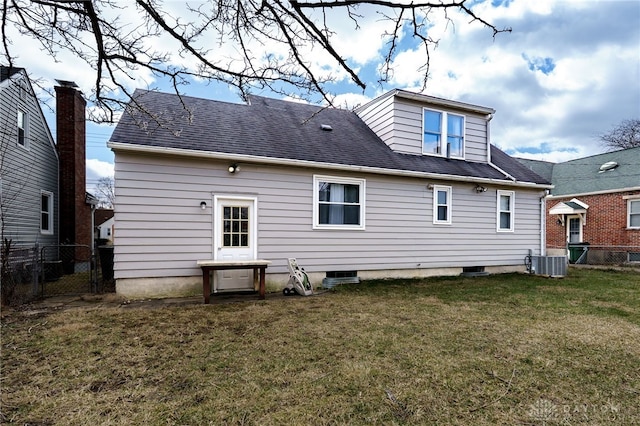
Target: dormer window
{"points": [[443, 134]]}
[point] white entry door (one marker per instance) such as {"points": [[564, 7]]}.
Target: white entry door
{"points": [[574, 229], [234, 239]]}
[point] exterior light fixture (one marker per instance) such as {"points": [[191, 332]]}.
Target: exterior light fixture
{"points": [[203, 205], [480, 188], [234, 168]]}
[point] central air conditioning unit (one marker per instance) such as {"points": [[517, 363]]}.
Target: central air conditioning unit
{"points": [[553, 266]]}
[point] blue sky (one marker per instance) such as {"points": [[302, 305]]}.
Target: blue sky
{"points": [[568, 72]]}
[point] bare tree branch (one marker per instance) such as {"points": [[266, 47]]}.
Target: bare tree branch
{"points": [[245, 44], [623, 136], [105, 192]]}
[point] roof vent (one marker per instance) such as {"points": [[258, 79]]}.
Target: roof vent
{"points": [[326, 127], [609, 165]]}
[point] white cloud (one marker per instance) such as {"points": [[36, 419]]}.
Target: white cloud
{"points": [[97, 169], [595, 82]]}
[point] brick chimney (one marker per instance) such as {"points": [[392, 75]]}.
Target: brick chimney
{"points": [[75, 213]]}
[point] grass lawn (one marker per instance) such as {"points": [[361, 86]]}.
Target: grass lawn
{"points": [[507, 349]]}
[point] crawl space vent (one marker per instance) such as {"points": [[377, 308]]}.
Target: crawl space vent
{"points": [[340, 277]]}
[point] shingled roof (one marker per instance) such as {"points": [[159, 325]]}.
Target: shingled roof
{"points": [[8, 72], [267, 128], [587, 175]]}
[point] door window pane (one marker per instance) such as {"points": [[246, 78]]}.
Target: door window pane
{"points": [[235, 226], [574, 230]]}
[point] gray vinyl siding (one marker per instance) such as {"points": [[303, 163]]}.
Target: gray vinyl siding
{"points": [[475, 138], [26, 172], [379, 117], [161, 231], [398, 122]]}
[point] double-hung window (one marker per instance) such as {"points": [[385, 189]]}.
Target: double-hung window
{"points": [[633, 216], [22, 129], [443, 134], [338, 203], [442, 205], [505, 211], [46, 212]]}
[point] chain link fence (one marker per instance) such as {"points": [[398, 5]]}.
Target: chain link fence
{"points": [[588, 254], [30, 273], [67, 269], [18, 273]]}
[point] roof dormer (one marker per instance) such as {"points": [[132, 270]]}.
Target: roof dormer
{"points": [[412, 123]]}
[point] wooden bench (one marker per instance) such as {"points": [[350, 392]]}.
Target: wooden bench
{"points": [[209, 266]]}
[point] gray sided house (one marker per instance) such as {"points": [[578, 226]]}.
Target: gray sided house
{"points": [[407, 185], [28, 165]]}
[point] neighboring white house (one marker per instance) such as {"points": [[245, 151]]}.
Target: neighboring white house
{"points": [[407, 185], [105, 229]]}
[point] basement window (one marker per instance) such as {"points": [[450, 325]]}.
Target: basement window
{"points": [[342, 274]]}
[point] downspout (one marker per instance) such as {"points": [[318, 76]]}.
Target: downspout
{"points": [[94, 263], [488, 117], [543, 223]]}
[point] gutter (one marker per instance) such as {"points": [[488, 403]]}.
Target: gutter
{"points": [[604, 191], [305, 163]]}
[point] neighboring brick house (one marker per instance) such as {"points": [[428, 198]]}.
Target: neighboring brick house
{"points": [[595, 200]]}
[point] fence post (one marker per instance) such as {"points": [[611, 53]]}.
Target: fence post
{"points": [[34, 270], [94, 269]]}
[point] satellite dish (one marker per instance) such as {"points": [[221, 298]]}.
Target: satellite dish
{"points": [[609, 165]]}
